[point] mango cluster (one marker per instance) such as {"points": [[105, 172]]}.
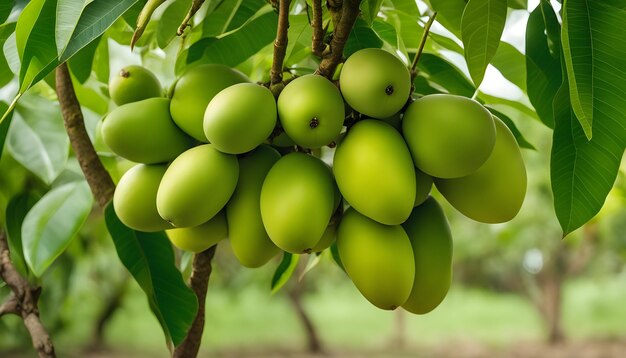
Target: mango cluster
{"points": [[210, 169]]}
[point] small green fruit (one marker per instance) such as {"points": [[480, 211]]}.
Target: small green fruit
{"points": [[134, 83], [311, 111], [449, 136], [134, 199], [375, 172], [196, 186], [297, 202], [375, 83], [193, 91], [199, 238], [424, 185], [143, 132], [248, 238], [431, 240], [240, 117], [495, 192], [378, 258], [329, 236]]}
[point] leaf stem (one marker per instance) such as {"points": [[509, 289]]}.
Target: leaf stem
{"points": [[280, 44], [195, 6], [420, 49]]}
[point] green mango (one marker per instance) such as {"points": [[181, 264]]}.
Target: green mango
{"points": [[193, 91], [424, 184], [297, 202], [311, 111], [134, 83], [431, 240], [248, 238], [196, 186], [495, 192], [329, 236], [134, 199], [240, 117], [378, 258], [199, 238], [449, 136], [374, 172], [143, 132], [375, 83]]}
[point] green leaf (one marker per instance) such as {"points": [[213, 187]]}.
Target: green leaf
{"points": [[6, 6], [445, 75], [284, 271], [16, 211], [67, 15], [518, 4], [583, 171], [4, 126], [521, 141], [81, 63], [481, 29], [386, 32], [543, 71], [170, 20], [53, 222], [149, 257], [553, 28], [101, 61], [408, 7], [369, 10], [299, 37], [37, 137], [362, 36], [449, 14], [517, 105], [512, 64], [6, 75], [422, 87], [229, 15]]}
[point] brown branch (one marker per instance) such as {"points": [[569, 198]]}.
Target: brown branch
{"points": [[23, 302], [420, 48], [195, 6], [199, 281], [280, 44], [317, 45], [333, 54], [334, 7], [98, 178]]}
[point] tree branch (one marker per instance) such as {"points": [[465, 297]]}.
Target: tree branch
{"points": [[333, 54], [195, 6], [334, 7], [317, 42], [199, 281], [280, 44], [98, 178], [420, 48], [23, 302]]}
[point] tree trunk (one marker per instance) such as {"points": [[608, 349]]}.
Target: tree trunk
{"points": [[553, 299], [114, 302], [314, 344]]}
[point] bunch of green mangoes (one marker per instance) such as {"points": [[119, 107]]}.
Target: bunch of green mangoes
{"points": [[210, 169]]}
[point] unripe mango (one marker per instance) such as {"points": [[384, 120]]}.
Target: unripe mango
{"points": [[196, 186], [329, 236], [134, 83], [311, 111], [199, 238], [449, 136], [193, 91], [240, 117], [495, 192], [378, 258], [374, 172], [297, 202], [430, 236], [251, 244], [143, 132], [134, 199], [424, 184]]}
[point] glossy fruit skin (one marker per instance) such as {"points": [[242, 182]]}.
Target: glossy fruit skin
{"points": [[196, 186], [249, 240], [375, 172], [134, 83], [329, 236], [143, 132], [311, 111], [449, 136], [424, 184], [375, 83], [193, 91], [430, 236], [240, 117], [496, 191], [378, 258], [134, 199], [199, 238], [297, 202]]}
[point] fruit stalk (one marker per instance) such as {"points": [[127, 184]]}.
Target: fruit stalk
{"points": [[420, 48], [195, 6], [333, 54], [280, 44], [317, 43], [143, 19]]}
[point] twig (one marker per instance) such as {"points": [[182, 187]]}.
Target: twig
{"points": [[334, 7], [317, 45], [420, 49], [195, 6], [333, 54], [23, 302], [199, 281], [280, 44]]}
